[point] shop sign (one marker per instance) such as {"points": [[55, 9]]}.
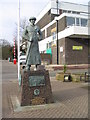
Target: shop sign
{"points": [[77, 47]]}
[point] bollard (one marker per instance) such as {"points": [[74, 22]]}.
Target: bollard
{"points": [[14, 61]]}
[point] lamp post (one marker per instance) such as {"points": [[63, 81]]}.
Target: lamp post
{"points": [[57, 31], [18, 37], [57, 39]]}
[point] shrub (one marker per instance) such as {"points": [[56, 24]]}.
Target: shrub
{"points": [[64, 68]]}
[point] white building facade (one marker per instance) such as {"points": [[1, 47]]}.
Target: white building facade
{"points": [[72, 32]]}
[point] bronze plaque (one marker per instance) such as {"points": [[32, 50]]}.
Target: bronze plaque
{"points": [[36, 81], [37, 101]]}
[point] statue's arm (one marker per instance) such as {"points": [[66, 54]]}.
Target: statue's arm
{"points": [[39, 33]]}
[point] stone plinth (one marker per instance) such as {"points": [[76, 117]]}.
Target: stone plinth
{"points": [[36, 88]]}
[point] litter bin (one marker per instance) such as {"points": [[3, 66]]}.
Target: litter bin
{"points": [[67, 78]]}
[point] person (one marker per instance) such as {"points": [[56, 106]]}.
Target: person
{"points": [[32, 34]]}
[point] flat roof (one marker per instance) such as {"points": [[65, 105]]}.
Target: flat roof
{"points": [[64, 6]]}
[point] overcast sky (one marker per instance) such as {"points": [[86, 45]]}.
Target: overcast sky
{"points": [[9, 13]]}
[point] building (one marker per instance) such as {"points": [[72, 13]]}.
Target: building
{"points": [[65, 32]]}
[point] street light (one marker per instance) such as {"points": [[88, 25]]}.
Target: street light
{"points": [[18, 37], [57, 30], [57, 37]]}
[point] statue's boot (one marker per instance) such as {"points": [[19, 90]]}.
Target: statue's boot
{"points": [[28, 67], [35, 68]]}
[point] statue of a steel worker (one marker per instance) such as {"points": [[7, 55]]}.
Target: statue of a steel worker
{"points": [[32, 34]]}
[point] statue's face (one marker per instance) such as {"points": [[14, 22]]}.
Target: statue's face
{"points": [[32, 21]]}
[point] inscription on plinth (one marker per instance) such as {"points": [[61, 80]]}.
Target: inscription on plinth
{"points": [[36, 81], [38, 100], [35, 88]]}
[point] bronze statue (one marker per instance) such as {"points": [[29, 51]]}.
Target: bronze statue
{"points": [[32, 34]]}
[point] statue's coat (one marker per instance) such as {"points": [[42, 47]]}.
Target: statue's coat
{"points": [[32, 34]]}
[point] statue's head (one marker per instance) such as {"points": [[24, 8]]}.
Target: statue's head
{"points": [[32, 18]]}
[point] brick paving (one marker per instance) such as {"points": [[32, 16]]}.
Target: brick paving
{"points": [[71, 101]]}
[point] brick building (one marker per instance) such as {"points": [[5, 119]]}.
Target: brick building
{"points": [[72, 32]]}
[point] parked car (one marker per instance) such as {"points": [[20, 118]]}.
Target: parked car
{"points": [[22, 59]]}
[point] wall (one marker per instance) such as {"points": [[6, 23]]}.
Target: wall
{"points": [[46, 58], [54, 55], [62, 24], [76, 56], [44, 20], [61, 52]]}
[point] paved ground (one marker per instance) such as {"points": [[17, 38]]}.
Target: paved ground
{"points": [[71, 100]]}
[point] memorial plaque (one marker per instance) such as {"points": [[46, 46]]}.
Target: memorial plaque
{"points": [[36, 81], [38, 100]]}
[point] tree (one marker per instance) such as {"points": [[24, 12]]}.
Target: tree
{"points": [[23, 24], [7, 49]]}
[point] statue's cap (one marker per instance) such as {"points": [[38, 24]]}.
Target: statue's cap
{"points": [[32, 18]]}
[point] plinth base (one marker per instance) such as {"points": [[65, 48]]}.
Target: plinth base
{"points": [[36, 88]]}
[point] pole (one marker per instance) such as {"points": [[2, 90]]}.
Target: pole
{"points": [[14, 53], [57, 31], [57, 42], [57, 6], [18, 38], [14, 49]]}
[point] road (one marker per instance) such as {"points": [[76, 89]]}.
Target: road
{"points": [[8, 76], [9, 71]]}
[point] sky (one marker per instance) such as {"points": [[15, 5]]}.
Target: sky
{"points": [[28, 8]]}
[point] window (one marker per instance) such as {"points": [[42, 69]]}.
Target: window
{"points": [[77, 21], [73, 12], [54, 35], [70, 21], [47, 46], [50, 44], [69, 11], [64, 11], [84, 22], [78, 12]]}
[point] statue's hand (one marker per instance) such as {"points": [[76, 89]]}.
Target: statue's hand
{"points": [[30, 40]]}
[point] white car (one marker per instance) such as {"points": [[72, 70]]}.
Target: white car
{"points": [[22, 59]]}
